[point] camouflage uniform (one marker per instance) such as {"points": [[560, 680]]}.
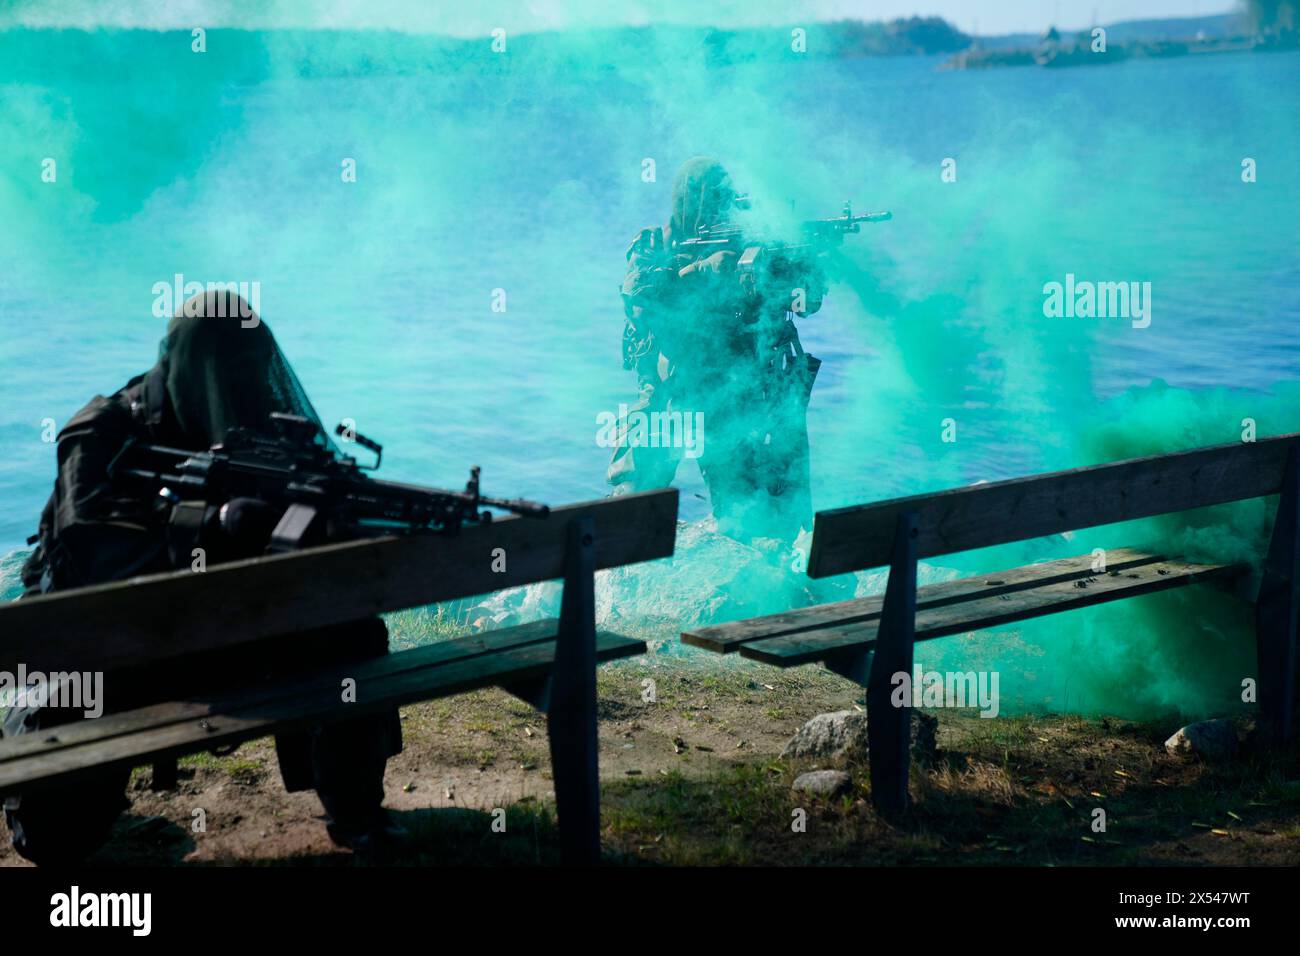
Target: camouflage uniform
{"points": [[211, 375], [699, 343]]}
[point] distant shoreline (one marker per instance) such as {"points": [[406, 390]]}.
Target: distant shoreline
{"points": [[827, 40], [1082, 55]]}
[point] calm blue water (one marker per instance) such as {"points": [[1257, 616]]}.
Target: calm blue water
{"points": [[529, 181], [525, 174]]}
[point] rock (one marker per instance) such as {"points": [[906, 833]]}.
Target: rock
{"points": [[839, 734], [844, 734], [925, 728], [1209, 739], [823, 783]]}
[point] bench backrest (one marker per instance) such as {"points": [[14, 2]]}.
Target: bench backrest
{"points": [[169, 615], [984, 515]]}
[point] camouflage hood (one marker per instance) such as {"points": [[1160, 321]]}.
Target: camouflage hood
{"points": [[222, 369], [702, 196]]}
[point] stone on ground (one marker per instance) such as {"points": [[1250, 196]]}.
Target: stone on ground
{"points": [[823, 783], [843, 734], [1209, 739]]}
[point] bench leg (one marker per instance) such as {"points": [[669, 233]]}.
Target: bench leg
{"points": [[572, 712], [165, 775], [889, 728], [855, 667], [1276, 609]]}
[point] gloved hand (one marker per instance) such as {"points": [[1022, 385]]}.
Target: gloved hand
{"points": [[720, 263], [248, 523]]}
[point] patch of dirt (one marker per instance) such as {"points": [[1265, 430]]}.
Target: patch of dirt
{"points": [[473, 752], [691, 774]]}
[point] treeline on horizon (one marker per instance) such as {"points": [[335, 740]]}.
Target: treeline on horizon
{"points": [[45, 55], [249, 56]]}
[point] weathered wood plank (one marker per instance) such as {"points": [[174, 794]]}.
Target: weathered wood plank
{"points": [[131, 739], [571, 707], [724, 638], [889, 728], [201, 706], [162, 616], [1276, 609], [979, 516], [990, 611]]}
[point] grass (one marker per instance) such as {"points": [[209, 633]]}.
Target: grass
{"points": [[240, 769], [703, 785], [1022, 792], [422, 625]]}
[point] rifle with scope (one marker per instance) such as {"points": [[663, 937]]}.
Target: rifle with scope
{"points": [[318, 493]]}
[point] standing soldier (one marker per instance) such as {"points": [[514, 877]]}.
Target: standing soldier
{"points": [[705, 337]]}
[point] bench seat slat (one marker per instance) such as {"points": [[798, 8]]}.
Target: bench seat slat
{"points": [[724, 638], [199, 706], [437, 670], [991, 610]]}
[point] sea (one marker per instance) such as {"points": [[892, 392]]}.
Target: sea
{"points": [[437, 233]]}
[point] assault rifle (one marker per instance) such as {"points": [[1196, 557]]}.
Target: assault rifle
{"points": [[321, 494], [781, 255]]}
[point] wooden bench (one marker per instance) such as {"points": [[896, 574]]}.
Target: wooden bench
{"points": [[549, 663], [870, 639]]}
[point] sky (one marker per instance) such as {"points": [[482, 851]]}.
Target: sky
{"points": [[479, 17]]}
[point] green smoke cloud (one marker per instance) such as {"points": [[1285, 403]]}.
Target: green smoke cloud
{"points": [[523, 171]]}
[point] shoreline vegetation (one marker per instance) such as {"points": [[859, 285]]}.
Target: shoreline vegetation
{"points": [[1053, 50], [45, 56]]}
